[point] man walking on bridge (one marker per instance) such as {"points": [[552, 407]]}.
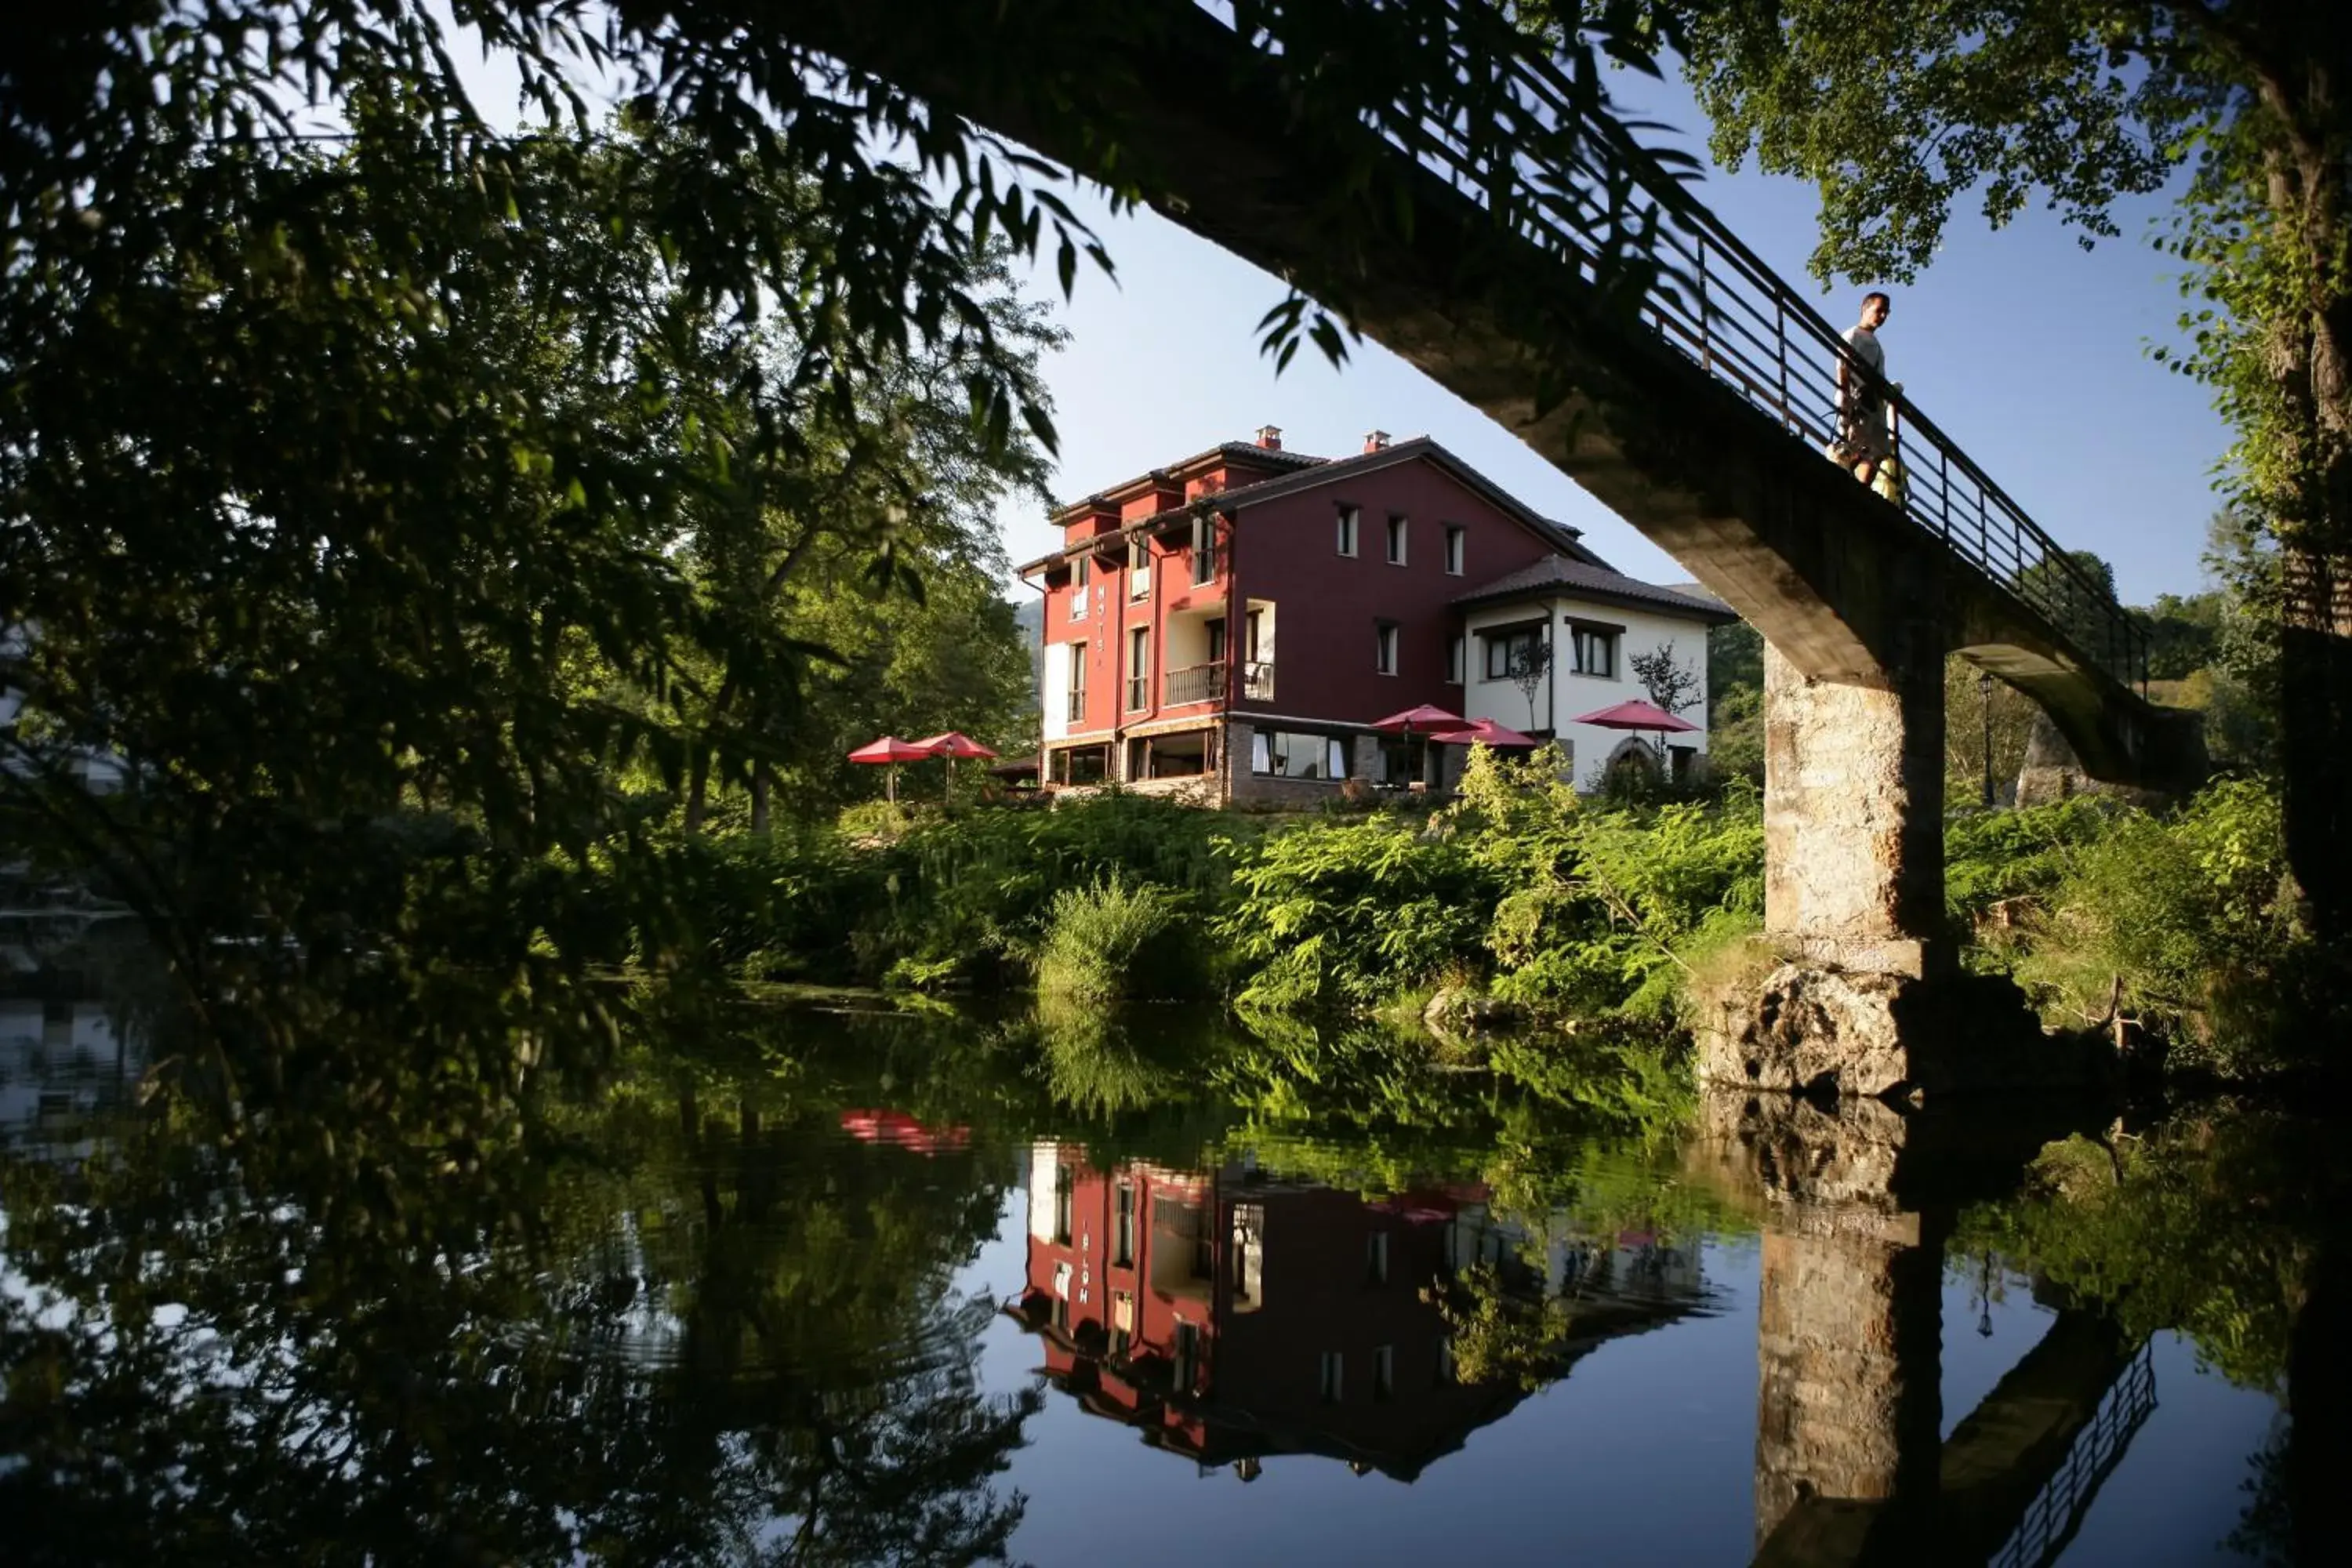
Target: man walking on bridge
{"points": [[1862, 442]]}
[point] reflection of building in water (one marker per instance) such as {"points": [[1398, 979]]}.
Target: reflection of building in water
{"points": [[60, 1062], [1230, 1317]]}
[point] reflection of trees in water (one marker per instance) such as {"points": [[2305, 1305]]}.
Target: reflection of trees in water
{"points": [[702, 1337]]}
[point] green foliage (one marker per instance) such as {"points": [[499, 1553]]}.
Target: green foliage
{"points": [[1598, 901], [929, 898], [2205, 1225], [1115, 939], [2188, 914], [1735, 656], [1993, 855], [1347, 911], [1735, 733]]}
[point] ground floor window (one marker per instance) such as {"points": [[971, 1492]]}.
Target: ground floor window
{"points": [[1182, 756], [1294, 755], [1078, 764]]}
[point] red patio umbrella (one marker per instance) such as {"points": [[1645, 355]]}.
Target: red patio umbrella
{"points": [[1426, 719], [953, 745], [1636, 714], [1485, 732], [891, 750]]}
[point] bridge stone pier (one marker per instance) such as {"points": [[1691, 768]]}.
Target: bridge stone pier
{"points": [[1695, 406]]}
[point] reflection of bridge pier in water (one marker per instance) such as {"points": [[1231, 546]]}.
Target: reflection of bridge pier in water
{"points": [[1856, 1208]]}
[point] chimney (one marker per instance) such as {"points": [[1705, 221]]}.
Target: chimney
{"points": [[1270, 437], [1376, 441]]}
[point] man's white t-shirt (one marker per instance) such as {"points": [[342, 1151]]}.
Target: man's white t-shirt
{"points": [[1865, 347]]}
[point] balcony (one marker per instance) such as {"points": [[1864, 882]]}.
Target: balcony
{"points": [[1138, 693], [1194, 683], [1257, 681]]}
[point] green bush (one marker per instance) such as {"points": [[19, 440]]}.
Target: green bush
{"points": [[1346, 912], [1993, 856], [1600, 902], [2184, 922], [1116, 940]]}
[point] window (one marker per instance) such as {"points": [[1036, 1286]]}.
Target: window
{"points": [[1076, 710], [1216, 630], [1081, 764], [1509, 652], [1122, 1323], [1384, 648], [1349, 516], [1061, 1314], [1065, 1191], [1123, 1239], [1383, 1373], [1375, 1258], [1139, 667], [1288, 754], [1455, 654], [1188, 1353], [1204, 551], [1079, 577], [1595, 650], [1328, 1378], [1446, 1361], [1457, 540], [1396, 541], [1139, 568]]}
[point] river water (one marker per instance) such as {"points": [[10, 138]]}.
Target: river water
{"points": [[855, 1285]]}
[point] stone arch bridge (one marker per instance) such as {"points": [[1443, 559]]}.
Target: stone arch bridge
{"points": [[1506, 242]]}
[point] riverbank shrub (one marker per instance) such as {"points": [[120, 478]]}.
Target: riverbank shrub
{"points": [[2183, 923], [1117, 940], [1597, 905], [2186, 923], [1347, 912]]}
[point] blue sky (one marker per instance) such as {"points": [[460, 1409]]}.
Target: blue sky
{"points": [[2028, 351]]}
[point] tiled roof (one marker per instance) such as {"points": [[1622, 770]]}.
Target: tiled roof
{"points": [[1556, 573], [1311, 472], [1232, 451]]}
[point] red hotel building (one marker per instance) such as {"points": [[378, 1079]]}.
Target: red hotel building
{"points": [[1230, 626]]}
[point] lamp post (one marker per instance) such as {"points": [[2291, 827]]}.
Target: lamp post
{"points": [[1984, 698]]}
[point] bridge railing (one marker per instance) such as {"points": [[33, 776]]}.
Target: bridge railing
{"points": [[2057, 1510], [1513, 137]]}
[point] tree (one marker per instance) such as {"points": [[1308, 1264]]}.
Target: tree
{"points": [[2090, 102], [1530, 667], [1670, 684]]}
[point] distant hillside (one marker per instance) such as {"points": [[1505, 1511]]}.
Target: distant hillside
{"points": [[1029, 615]]}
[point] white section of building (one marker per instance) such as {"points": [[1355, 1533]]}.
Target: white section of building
{"points": [[1583, 630], [1054, 690], [1045, 1163]]}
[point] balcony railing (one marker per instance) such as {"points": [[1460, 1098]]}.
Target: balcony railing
{"points": [[1076, 711], [1194, 683], [1257, 681]]}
